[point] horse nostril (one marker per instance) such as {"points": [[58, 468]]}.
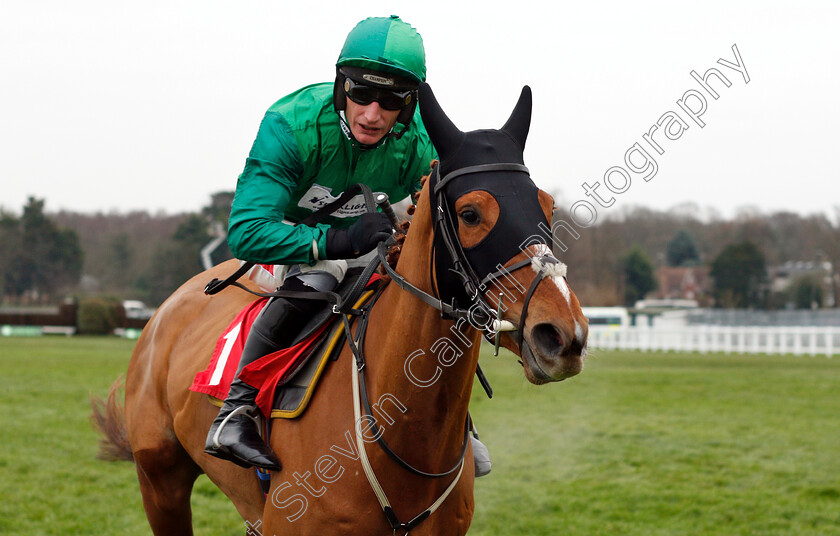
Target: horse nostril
{"points": [[548, 339]]}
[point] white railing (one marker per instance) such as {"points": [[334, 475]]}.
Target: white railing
{"points": [[797, 340]]}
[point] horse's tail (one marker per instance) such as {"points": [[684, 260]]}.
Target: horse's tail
{"points": [[108, 418]]}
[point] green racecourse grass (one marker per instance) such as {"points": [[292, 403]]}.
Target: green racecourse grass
{"points": [[639, 444]]}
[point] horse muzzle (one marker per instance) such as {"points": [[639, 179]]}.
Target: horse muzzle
{"points": [[551, 356]]}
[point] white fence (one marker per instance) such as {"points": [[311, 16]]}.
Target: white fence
{"points": [[797, 340]]}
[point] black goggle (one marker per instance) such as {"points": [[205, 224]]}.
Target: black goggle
{"points": [[389, 100]]}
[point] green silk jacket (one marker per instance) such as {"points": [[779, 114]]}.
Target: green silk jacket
{"points": [[302, 160]]}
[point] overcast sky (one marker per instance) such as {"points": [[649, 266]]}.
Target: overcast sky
{"points": [[153, 105]]}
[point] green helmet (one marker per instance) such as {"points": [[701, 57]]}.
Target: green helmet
{"points": [[385, 44], [377, 46]]}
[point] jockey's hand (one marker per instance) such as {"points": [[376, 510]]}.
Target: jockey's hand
{"points": [[359, 238]]}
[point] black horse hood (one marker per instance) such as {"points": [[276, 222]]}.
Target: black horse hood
{"points": [[458, 149], [520, 212]]}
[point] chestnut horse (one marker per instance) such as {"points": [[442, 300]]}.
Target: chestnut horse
{"points": [[420, 352]]}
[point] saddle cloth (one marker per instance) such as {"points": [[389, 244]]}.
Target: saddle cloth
{"points": [[287, 378]]}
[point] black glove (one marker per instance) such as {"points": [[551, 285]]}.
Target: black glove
{"points": [[359, 238]]}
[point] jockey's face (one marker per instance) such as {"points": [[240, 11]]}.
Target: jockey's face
{"points": [[369, 123]]}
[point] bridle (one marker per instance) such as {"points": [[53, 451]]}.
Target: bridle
{"points": [[473, 282]]}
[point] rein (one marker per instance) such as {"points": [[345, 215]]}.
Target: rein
{"points": [[338, 304], [472, 285], [360, 398], [215, 286], [357, 345]]}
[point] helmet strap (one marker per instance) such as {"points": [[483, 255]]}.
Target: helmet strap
{"points": [[397, 135], [345, 128]]}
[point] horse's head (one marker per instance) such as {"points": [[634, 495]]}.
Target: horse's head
{"points": [[491, 242]]}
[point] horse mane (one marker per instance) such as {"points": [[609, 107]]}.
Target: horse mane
{"points": [[394, 253]]}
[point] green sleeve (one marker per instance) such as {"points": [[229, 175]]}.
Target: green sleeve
{"points": [[256, 231]]}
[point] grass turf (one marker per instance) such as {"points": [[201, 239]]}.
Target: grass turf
{"points": [[639, 444]]}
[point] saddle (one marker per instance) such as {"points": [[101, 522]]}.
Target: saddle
{"points": [[287, 378]]}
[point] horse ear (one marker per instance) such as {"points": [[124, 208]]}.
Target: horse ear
{"points": [[445, 136], [520, 120]]}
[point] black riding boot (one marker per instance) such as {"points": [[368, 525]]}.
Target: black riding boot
{"points": [[238, 440]]}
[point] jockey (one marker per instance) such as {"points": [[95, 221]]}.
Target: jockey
{"points": [[311, 146]]}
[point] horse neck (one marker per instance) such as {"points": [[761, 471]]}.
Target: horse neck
{"points": [[425, 362]]}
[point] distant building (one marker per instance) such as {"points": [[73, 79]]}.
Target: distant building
{"points": [[782, 276], [683, 282]]}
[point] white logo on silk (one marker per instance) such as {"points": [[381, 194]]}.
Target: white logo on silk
{"points": [[318, 196]]}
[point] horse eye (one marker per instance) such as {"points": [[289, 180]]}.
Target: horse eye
{"points": [[470, 217]]}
